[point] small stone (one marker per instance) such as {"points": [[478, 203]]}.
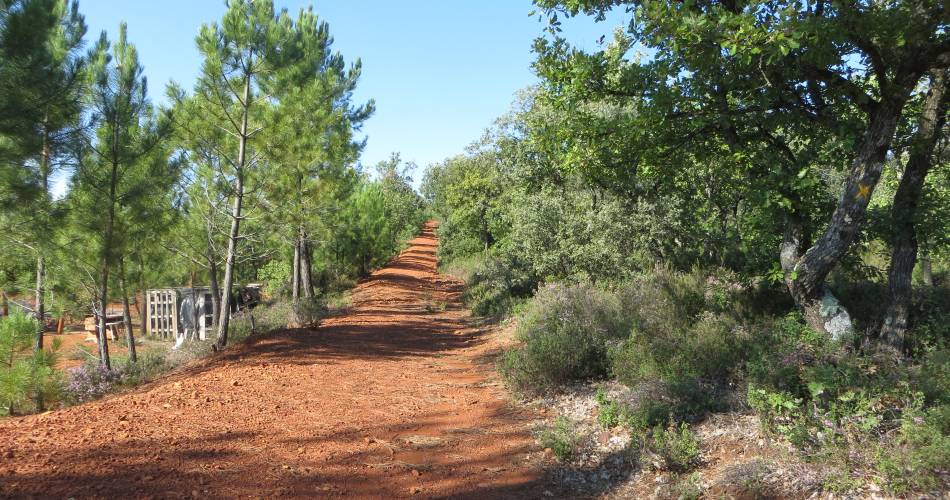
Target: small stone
{"points": [[235, 383], [195, 493], [415, 490], [8, 454], [416, 473], [299, 450]]}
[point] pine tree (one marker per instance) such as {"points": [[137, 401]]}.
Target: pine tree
{"points": [[241, 57], [123, 168], [314, 95], [23, 373], [40, 105]]}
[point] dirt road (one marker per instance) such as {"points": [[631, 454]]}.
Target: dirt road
{"points": [[393, 398]]}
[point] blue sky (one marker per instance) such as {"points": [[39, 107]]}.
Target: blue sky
{"points": [[440, 71]]}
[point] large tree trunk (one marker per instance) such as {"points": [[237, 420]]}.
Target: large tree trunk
{"points": [[295, 285], [225, 312], [40, 301], [235, 222], [807, 277], [295, 273], [40, 311], [40, 306], [143, 306], [126, 314], [215, 289], [306, 268], [904, 212], [103, 317], [106, 259]]}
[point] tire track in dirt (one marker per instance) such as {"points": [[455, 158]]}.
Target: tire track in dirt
{"points": [[395, 397]]}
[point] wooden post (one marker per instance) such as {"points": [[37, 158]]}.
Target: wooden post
{"points": [[173, 296]]}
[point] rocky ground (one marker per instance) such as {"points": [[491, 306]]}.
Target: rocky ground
{"points": [[737, 460]]}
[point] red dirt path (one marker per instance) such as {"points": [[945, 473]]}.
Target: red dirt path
{"points": [[393, 398]]}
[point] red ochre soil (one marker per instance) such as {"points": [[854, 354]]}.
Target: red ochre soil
{"points": [[395, 397]]}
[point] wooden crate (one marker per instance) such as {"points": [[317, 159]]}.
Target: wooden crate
{"points": [[162, 307]]}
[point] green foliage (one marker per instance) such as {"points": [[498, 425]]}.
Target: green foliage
{"points": [[676, 447], [496, 286], [379, 217], [687, 488], [564, 331], [275, 275], [23, 373], [563, 438], [921, 454], [934, 376], [609, 411], [40, 63], [122, 183], [683, 331], [930, 319], [852, 410], [651, 408]]}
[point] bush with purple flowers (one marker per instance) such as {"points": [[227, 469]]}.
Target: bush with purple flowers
{"points": [[89, 381], [92, 381]]}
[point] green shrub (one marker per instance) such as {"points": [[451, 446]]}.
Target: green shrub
{"points": [[713, 348], [25, 376], [664, 326], [683, 330], [275, 315], [694, 360], [687, 488], [873, 412], [496, 285], [921, 455], [842, 402], [934, 376], [150, 364], [610, 413], [650, 412], [565, 332], [652, 406], [562, 438], [930, 320], [309, 311], [276, 277], [676, 447]]}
